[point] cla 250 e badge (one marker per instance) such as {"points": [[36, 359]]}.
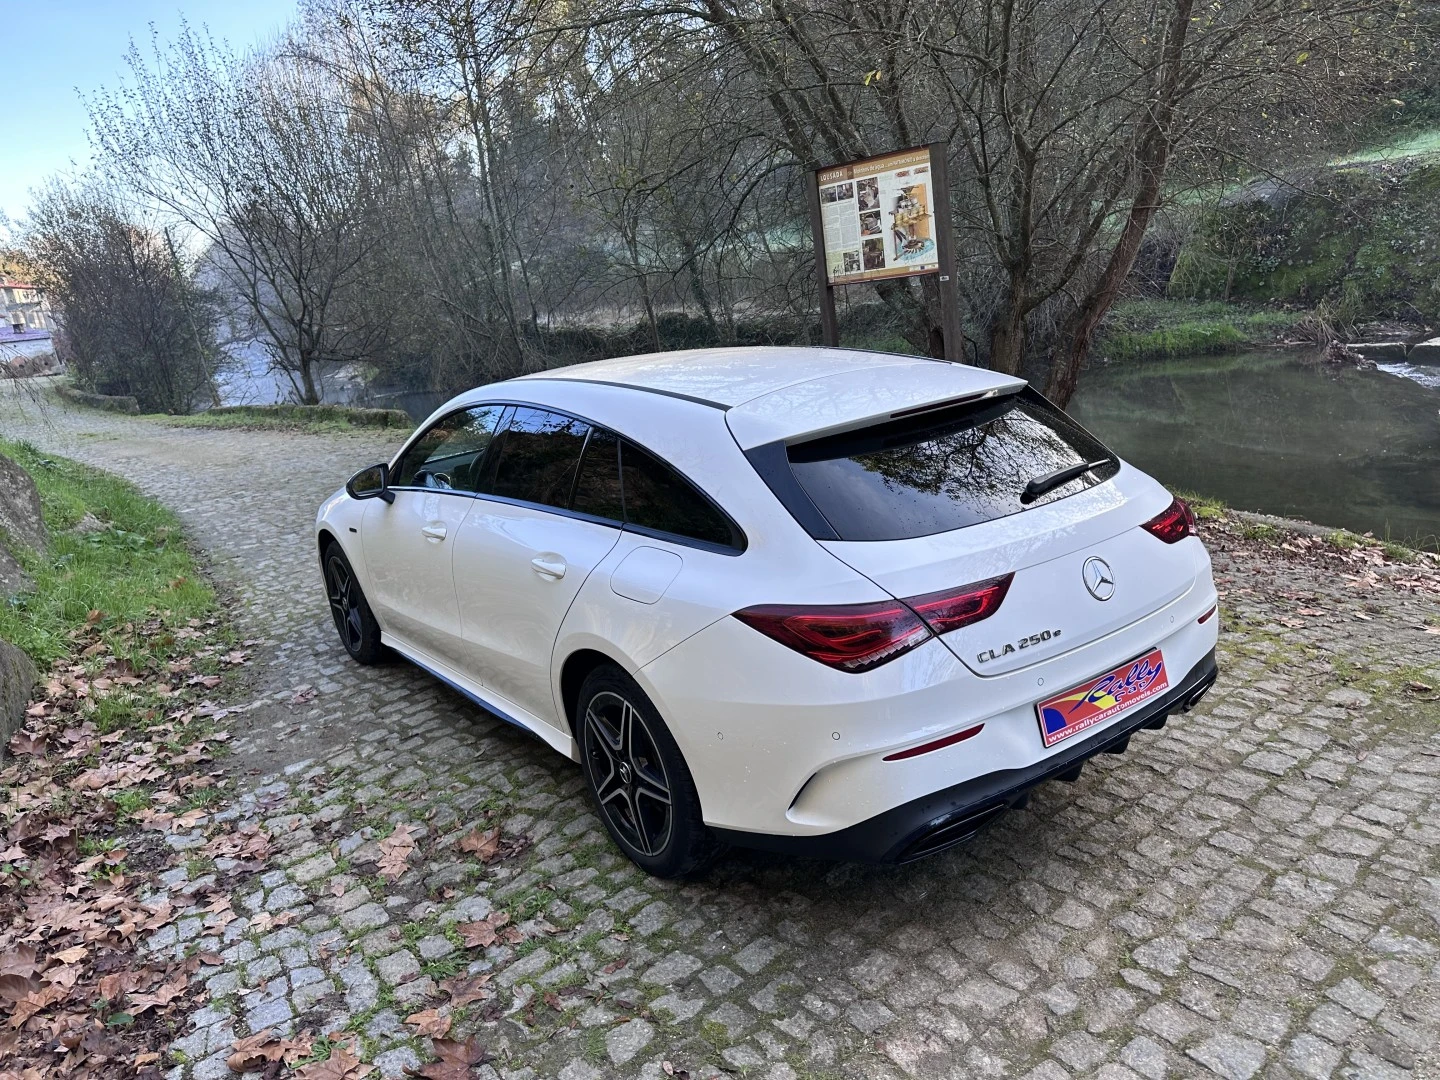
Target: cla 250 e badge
{"points": [[1015, 646], [1094, 702]]}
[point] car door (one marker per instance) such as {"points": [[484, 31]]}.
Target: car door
{"points": [[409, 542], [522, 554]]}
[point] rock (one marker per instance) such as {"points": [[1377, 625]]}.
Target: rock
{"points": [[88, 524], [1425, 352], [1380, 350], [17, 677], [20, 507], [1338, 353], [13, 578]]}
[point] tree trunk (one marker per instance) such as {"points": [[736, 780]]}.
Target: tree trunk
{"points": [[307, 377], [1153, 156]]}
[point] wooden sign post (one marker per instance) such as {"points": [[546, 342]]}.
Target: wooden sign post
{"points": [[885, 217]]}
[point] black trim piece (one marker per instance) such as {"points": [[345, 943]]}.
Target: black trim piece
{"points": [[947, 817], [685, 541], [645, 390], [772, 462]]}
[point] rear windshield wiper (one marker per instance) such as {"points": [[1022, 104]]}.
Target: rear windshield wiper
{"points": [[1050, 481]]}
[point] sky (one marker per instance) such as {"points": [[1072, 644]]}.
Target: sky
{"points": [[55, 50]]}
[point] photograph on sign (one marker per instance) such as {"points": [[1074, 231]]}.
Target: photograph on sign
{"points": [[877, 218]]}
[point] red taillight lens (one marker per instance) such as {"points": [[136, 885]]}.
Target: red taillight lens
{"points": [[850, 637], [1176, 522], [954, 608]]}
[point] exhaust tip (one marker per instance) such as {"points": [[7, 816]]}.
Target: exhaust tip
{"points": [[1194, 699]]}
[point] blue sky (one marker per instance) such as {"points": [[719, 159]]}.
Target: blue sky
{"points": [[54, 48]]}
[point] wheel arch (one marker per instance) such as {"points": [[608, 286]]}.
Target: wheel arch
{"points": [[573, 673], [324, 537]]}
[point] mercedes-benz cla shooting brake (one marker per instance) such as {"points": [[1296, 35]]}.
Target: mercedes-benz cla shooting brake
{"points": [[816, 601]]}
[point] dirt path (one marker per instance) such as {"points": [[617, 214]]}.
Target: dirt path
{"points": [[1254, 891]]}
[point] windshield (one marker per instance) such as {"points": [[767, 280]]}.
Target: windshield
{"points": [[946, 470]]}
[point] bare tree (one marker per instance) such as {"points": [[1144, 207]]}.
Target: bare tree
{"points": [[258, 156], [133, 321]]}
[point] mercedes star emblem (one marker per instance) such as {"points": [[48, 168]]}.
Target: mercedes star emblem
{"points": [[1098, 579]]}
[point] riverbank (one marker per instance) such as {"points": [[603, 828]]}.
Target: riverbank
{"points": [[1161, 328]]}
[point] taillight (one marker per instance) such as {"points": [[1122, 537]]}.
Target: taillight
{"points": [[954, 608], [1174, 523], [849, 637], [858, 637]]}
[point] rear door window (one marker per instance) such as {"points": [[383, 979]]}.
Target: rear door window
{"points": [[659, 499], [597, 489], [539, 451], [945, 470]]}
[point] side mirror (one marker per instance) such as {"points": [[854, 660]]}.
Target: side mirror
{"points": [[371, 483]]}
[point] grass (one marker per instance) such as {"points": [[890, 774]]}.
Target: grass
{"points": [[327, 419], [1413, 144], [134, 580], [1151, 329]]}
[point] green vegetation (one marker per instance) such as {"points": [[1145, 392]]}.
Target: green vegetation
{"points": [[132, 579], [1153, 329], [1357, 238], [1205, 508], [326, 418]]}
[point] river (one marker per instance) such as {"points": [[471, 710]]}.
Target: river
{"points": [[1258, 431], [1353, 449]]}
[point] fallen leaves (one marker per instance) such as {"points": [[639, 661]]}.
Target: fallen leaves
{"points": [[24, 742], [395, 851], [429, 1024], [342, 1064], [482, 933], [75, 865], [464, 989], [489, 845], [455, 1060], [485, 845]]}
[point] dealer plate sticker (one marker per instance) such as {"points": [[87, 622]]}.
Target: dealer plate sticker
{"points": [[1096, 701]]}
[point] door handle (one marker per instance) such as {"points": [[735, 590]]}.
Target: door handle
{"points": [[434, 531], [551, 566]]}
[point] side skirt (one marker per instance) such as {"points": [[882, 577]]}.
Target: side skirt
{"points": [[491, 702]]}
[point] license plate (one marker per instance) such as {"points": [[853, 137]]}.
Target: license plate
{"points": [[1093, 702]]}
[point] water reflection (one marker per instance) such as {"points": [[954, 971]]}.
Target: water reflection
{"points": [[1356, 449]]}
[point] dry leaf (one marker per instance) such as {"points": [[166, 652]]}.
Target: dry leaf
{"points": [[429, 1024], [483, 933], [22, 742], [342, 1064], [485, 845], [455, 1060], [465, 989], [395, 850]]}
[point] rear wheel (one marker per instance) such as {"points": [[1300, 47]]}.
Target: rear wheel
{"points": [[354, 621], [638, 779]]}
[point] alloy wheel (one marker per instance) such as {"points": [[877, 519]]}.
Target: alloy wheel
{"points": [[631, 784], [344, 603]]}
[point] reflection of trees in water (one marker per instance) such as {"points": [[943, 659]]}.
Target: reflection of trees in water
{"points": [[996, 459]]}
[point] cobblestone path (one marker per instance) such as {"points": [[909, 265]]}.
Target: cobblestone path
{"points": [[1253, 891]]}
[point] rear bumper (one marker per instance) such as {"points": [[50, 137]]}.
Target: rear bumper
{"points": [[953, 815]]}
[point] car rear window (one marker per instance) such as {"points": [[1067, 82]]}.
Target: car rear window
{"points": [[945, 470]]}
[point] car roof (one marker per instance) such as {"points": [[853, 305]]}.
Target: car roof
{"points": [[730, 377]]}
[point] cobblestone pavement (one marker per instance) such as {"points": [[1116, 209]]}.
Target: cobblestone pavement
{"points": [[1253, 891]]}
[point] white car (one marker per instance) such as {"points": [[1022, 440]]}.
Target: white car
{"points": [[818, 601]]}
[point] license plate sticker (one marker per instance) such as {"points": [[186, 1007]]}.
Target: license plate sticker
{"points": [[1082, 707]]}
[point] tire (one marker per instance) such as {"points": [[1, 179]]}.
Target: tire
{"points": [[630, 762], [354, 621]]}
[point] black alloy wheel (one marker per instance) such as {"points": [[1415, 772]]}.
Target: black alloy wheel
{"points": [[630, 782], [638, 778], [356, 625]]}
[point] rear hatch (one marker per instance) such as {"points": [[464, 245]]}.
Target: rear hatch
{"points": [[927, 500]]}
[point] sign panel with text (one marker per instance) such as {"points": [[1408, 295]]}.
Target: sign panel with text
{"points": [[878, 219]]}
